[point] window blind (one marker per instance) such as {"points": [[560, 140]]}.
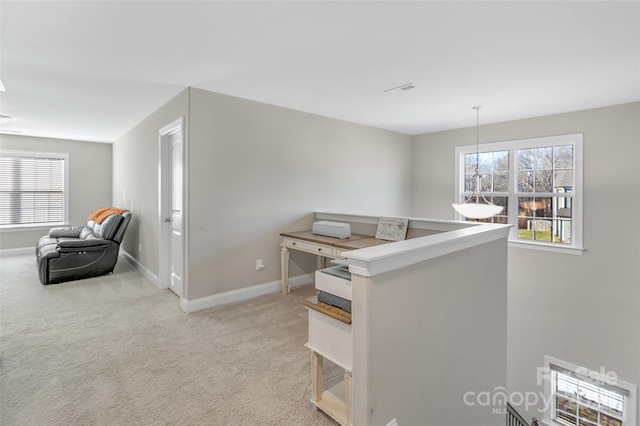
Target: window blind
{"points": [[586, 379], [31, 189]]}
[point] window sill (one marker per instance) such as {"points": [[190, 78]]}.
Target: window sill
{"points": [[547, 247], [19, 228]]}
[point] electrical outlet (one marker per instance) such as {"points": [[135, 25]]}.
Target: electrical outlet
{"points": [[259, 265], [140, 247]]}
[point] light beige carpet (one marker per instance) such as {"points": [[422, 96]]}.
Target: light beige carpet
{"points": [[115, 350]]}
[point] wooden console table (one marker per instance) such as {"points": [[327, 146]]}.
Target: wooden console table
{"points": [[330, 337], [323, 247]]}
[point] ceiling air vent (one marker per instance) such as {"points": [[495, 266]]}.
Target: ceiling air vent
{"points": [[399, 89]]}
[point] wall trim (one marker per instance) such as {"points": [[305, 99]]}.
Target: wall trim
{"points": [[379, 259], [142, 269], [18, 251], [242, 294]]}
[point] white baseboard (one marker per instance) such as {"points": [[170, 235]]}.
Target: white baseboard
{"points": [[18, 251], [242, 294], [141, 268]]}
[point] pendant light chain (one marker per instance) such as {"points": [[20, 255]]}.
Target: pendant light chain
{"points": [[477, 108]]}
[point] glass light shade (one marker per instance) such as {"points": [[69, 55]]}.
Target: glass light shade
{"points": [[477, 210]]}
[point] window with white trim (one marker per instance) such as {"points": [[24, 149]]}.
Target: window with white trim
{"points": [[33, 189], [537, 181], [578, 396]]}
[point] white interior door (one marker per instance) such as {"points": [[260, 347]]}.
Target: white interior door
{"points": [[171, 274], [175, 283]]}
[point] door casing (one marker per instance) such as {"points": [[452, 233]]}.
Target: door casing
{"points": [[164, 201]]}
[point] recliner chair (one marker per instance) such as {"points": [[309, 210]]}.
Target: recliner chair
{"points": [[73, 253]]}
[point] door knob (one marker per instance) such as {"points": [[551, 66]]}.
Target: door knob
{"points": [[167, 219]]}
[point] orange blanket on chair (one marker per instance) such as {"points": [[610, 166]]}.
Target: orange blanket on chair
{"points": [[102, 213]]}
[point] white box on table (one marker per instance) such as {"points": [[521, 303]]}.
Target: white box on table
{"points": [[331, 229]]}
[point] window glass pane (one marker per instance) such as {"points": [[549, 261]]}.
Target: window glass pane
{"points": [[486, 163], [503, 215], [469, 183], [563, 157], [501, 201], [587, 416], [501, 181], [485, 183], [526, 159], [562, 231], [563, 220], [543, 207], [563, 205], [543, 181], [525, 181], [544, 158], [566, 405], [525, 217], [470, 163], [541, 230], [501, 161], [609, 421], [563, 181]]}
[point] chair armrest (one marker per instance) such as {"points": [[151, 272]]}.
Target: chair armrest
{"points": [[66, 232], [84, 245]]}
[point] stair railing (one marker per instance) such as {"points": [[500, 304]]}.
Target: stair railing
{"points": [[515, 419]]}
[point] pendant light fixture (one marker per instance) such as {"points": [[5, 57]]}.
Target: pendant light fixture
{"points": [[472, 208]]}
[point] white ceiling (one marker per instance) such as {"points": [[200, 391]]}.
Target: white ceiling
{"points": [[92, 70]]}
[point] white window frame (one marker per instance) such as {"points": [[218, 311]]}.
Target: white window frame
{"points": [[65, 207], [576, 246], [606, 378]]}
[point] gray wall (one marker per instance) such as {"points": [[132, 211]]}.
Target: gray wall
{"points": [[256, 170], [135, 181], [89, 181], [581, 309]]}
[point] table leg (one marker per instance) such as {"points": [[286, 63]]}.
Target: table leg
{"points": [[284, 269], [316, 376], [347, 396]]}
